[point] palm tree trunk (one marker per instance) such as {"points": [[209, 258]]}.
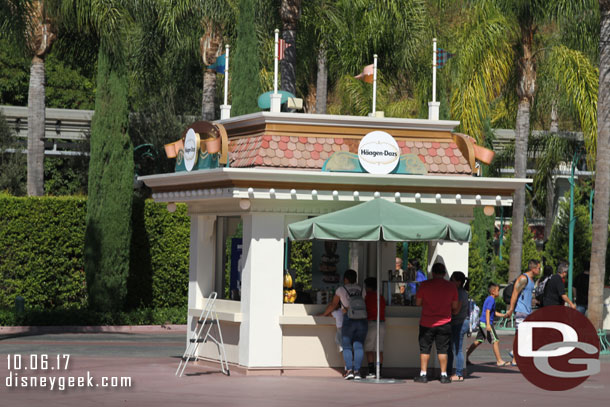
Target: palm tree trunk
{"points": [[290, 12], [321, 82], [36, 125], [525, 90], [209, 92], [602, 175], [549, 213], [516, 242]]}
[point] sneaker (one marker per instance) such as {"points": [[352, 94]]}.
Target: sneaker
{"points": [[371, 375], [349, 375], [421, 379], [357, 375], [445, 379]]}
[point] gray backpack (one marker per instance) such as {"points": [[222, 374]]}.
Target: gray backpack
{"points": [[357, 306]]}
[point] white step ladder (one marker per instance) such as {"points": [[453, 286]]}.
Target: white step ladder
{"points": [[207, 320]]}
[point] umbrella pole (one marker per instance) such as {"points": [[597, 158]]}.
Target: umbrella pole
{"points": [[377, 366]]}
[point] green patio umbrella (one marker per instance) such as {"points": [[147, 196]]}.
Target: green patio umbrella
{"points": [[379, 220]]}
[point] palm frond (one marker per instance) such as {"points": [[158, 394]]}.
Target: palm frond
{"points": [[578, 78]]}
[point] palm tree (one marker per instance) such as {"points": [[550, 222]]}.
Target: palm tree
{"points": [[210, 47], [602, 175], [503, 46], [209, 24], [290, 12], [29, 23]]}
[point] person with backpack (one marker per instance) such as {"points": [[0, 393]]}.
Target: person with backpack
{"points": [[439, 300], [539, 290], [521, 294], [353, 332], [555, 290], [460, 324]]}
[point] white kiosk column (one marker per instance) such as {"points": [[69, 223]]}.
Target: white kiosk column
{"points": [[202, 262], [454, 256], [260, 334]]}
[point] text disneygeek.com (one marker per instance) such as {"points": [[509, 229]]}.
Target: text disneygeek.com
{"points": [[26, 371]]}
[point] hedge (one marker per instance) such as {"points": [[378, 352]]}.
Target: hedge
{"points": [[42, 242], [66, 317]]}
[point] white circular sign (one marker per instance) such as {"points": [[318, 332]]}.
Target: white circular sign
{"points": [[191, 149], [378, 152]]}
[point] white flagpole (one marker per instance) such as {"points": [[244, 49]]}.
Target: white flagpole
{"points": [[227, 74], [374, 82], [275, 61], [225, 109], [434, 70]]}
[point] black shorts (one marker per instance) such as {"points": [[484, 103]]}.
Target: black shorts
{"points": [[440, 335], [484, 335]]}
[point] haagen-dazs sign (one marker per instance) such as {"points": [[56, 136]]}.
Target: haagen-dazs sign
{"points": [[378, 152], [191, 149]]}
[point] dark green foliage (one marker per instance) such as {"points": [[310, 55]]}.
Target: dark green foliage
{"points": [[66, 87], [476, 271], [417, 251], [41, 242], [481, 269], [159, 268], [71, 317], [300, 260], [65, 175], [14, 75], [13, 170], [245, 64], [111, 166], [529, 252], [557, 247]]}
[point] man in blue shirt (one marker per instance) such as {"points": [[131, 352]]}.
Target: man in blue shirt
{"points": [[486, 326], [521, 300]]}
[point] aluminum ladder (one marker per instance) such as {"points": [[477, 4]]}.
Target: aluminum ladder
{"points": [[203, 333]]}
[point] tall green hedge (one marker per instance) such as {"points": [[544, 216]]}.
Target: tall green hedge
{"points": [[42, 242], [246, 63], [108, 234]]}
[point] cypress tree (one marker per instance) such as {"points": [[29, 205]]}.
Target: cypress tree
{"points": [[108, 233], [245, 65]]}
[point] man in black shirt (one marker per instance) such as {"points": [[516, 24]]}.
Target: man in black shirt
{"points": [[581, 286], [555, 290]]}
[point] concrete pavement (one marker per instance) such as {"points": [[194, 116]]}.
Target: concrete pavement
{"points": [[149, 360]]}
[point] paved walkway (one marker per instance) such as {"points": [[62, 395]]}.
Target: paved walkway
{"points": [[150, 360]]}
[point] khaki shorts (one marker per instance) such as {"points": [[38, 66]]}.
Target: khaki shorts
{"points": [[370, 344]]}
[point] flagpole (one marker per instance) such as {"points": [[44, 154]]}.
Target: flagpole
{"points": [[374, 82], [227, 74], [434, 106], [225, 109], [276, 98], [434, 70], [275, 60]]}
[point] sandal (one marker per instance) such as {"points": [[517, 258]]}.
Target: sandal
{"points": [[456, 378], [503, 364]]}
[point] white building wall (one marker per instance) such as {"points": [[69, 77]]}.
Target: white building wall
{"points": [[262, 290], [453, 255], [201, 263]]}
